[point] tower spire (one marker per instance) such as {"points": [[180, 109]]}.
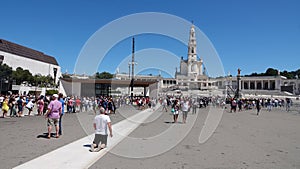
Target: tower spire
{"points": [[192, 46], [192, 53]]}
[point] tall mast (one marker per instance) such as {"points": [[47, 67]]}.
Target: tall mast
{"points": [[132, 68], [132, 74]]}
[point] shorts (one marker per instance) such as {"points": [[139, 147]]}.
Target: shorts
{"points": [[51, 122], [184, 113], [20, 108], [175, 112], [100, 138]]}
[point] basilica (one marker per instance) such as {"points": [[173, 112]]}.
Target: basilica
{"points": [[191, 74]]}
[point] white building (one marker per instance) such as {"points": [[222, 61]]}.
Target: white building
{"points": [[36, 62], [190, 75]]}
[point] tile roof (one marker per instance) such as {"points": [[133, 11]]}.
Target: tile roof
{"points": [[23, 51]]}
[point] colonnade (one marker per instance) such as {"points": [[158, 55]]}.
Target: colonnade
{"points": [[258, 85]]}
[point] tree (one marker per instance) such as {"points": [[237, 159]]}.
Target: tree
{"points": [[271, 72], [5, 76], [66, 76], [46, 81], [297, 72], [21, 75], [287, 74], [5, 71], [103, 75], [274, 72]]}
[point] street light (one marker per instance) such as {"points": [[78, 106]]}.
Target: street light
{"points": [[297, 85], [129, 63], [1, 61]]}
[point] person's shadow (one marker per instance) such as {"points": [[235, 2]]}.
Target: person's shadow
{"points": [[87, 145], [45, 135]]}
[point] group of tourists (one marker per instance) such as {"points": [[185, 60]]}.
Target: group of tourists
{"points": [[259, 103], [20, 106], [52, 107], [182, 105], [13, 105], [84, 104], [144, 102]]}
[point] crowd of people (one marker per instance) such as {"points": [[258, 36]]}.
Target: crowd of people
{"points": [[177, 105], [182, 105], [53, 106], [14, 105], [259, 103]]}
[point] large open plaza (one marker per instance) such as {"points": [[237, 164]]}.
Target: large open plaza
{"points": [[130, 84]]}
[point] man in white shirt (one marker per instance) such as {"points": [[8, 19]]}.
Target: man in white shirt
{"points": [[30, 106], [164, 104], [101, 123], [185, 109]]}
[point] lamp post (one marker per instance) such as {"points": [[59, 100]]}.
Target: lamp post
{"points": [[297, 85], [1, 61], [129, 63], [228, 86]]}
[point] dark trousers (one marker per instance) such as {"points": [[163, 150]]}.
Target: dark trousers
{"points": [[60, 126]]}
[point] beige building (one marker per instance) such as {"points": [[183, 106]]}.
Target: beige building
{"points": [[259, 84]]}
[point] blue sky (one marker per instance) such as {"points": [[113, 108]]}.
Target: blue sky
{"points": [[251, 35]]}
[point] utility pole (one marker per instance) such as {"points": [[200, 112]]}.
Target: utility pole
{"points": [[237, 94], [132, 68]]}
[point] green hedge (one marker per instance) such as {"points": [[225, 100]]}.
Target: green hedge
{"points": [[51, 92]]}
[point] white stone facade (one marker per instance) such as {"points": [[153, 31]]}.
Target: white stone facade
{"points": [[34, 66], [15, 55], [190, 75]]}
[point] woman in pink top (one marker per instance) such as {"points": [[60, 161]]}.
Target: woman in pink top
{"points": [[40, 104], [53, 114]]}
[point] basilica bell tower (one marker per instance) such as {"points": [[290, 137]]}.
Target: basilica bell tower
{"points": [[194, 66]]}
